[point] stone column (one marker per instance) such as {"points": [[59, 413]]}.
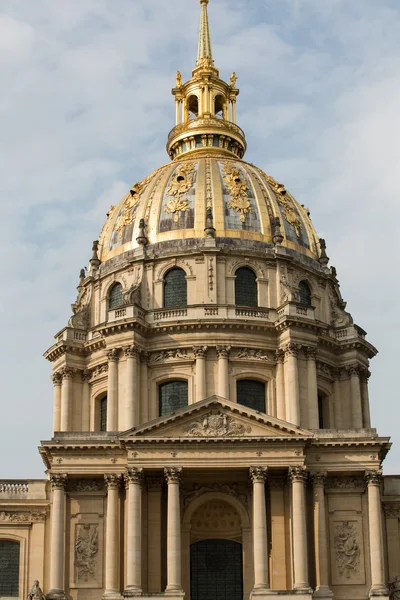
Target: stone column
{"points": [[313, 414], [321, 537], [112, 589], [378, 585], [337, 405], [200, 353], [356, 405], [298, 475], [233, 110], [133, 482], [112, 391], [173, 476], [280, 385], [223, 371], [86, 376], [154, 512], [279, 558], [365, 375], [66, 399], [292, 390], [131, 405], [144, 390], [57, 537], [260, 542], [206, 99], [57, 381], [178, 112]]}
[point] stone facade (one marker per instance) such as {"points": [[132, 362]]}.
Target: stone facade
{"points": [[211, 428]]}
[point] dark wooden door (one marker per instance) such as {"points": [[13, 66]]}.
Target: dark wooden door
{"points": [[216, 570]]}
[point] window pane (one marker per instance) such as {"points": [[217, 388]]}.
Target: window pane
{"points": [[173, 396], [175, 289], [103, 414], [251, 393], [321, 411], [115, 298], [9, 569], [246, 288], [304, 293]]}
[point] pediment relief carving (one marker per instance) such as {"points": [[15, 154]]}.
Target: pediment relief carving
{"points": [[216, 424]]}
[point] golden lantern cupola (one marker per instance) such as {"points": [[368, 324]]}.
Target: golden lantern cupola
{"points": [[205, 106]]}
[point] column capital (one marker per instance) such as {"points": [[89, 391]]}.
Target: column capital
{"points": [[67, 373], [58, 481], [373, 477], [291, 349], [57, 378], [86, 375], [134, 476], [173, 474], [131, 351], [336, 374], [298, 474], [353, 370], [144, 357], [319, 478], [310, 352], [258, 474], [112, 355], [223, 351], [279, 355], [113, 481], [200, 351]]}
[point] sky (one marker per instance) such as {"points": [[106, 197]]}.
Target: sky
{"points": [[85, 110]]}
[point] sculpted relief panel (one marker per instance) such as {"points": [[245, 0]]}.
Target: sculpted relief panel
{"points": [[347, 551], [86, 552]]}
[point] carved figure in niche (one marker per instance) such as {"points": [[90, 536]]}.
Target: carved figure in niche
{"points": [[287, 292], [86, 549], [347, 549], [35, 593]]}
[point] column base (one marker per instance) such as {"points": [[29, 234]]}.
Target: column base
{"points": [[379, 590], [56, 595], [261, 592], [174, 593], [133, 592], [322, 592], [112, 595]]}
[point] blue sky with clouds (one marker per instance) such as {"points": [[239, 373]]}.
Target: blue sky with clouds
{"points": [[85, 110]]}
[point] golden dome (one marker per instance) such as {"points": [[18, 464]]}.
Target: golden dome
{"points": [[173, 203]]}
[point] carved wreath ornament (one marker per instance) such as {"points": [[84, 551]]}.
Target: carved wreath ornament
{"points": [[182, 181], [238, 190], [216, 425]]}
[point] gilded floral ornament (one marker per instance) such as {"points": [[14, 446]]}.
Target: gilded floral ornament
{"points": [[181, 184], [132, 200], [238, 190], [288, 212]]}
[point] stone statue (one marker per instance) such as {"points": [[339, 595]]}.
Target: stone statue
{"points": [[233, 79], [395, 589], [35, 592], [178, 79]]}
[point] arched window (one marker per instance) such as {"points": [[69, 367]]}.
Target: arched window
{"points": [[103, 413], [251, 393], [304, 293], [193, 107], [219, 107], [175, 288], [246, 293], [115, 296], [9, 569], [173, 395]]}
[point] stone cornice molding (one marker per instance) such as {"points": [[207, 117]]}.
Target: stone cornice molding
{"points": [[223, 351], [133, 476], [298, 474], [58, 481], [258, 474], [200, 351], [373, 477], [319, 478], [173, 474], [113, 481]]}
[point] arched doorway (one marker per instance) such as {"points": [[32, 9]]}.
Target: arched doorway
{"points": [[216, 570], [216, 552]]}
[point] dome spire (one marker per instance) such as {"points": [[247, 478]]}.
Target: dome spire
{"points": [[204, 54]]}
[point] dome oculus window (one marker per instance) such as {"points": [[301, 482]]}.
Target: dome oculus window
{"points": [[115, 296], [173, 396], [246, 292], [304, 293], [9, 569], [251, 393], [175, 288]]}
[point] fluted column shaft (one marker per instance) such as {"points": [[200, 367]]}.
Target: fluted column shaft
{"points": [[356, 404], [134, 479], [57, 533], [57, 381], [200, 353], [321, 536], [223, 371], [378, 585], [298, 477], [66, 399], [174, 576], [112, 536], [112, 391], [313, 416], [337, 405], [292, 385], [280, 386], [86, 375], [260, 539], [131, 405]]}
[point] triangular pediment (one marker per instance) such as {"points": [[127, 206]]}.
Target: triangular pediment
{"points": [[216, 418]]}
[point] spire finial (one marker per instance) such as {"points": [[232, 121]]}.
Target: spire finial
{"points": [[204, 55]]}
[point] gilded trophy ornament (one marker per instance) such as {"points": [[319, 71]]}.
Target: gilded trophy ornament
{"points": [[181, 184], [238, 190]]}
